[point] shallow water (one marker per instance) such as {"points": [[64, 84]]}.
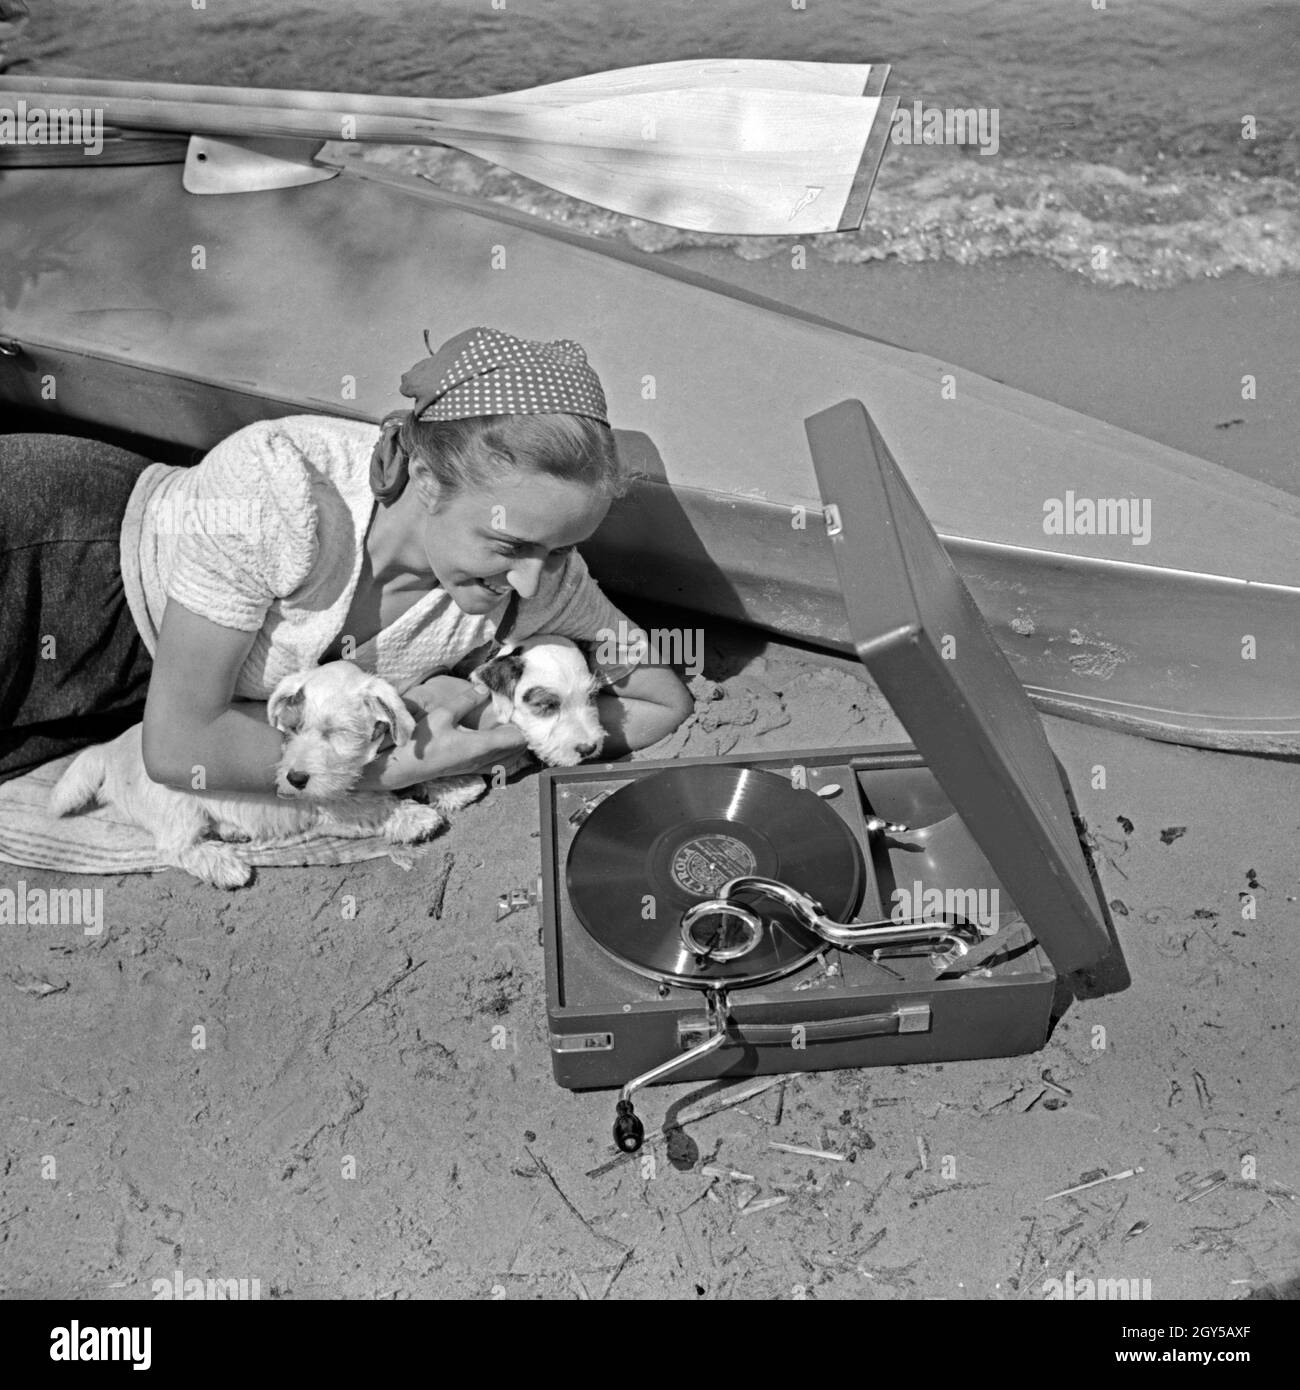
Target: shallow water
{"points": [[1120, 150]]}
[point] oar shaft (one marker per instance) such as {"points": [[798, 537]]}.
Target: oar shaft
{"points": [[841, 79], [93, 91], [248, 120]]}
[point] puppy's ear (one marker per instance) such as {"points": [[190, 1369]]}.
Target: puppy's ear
{"points": [[588, 647], [284, 708], [499, 677], [387, 708], [501, 674]]}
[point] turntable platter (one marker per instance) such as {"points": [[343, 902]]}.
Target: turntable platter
{"points": [[663, 843]]}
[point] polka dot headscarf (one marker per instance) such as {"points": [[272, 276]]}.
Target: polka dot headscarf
{"points": [[483, 371]]}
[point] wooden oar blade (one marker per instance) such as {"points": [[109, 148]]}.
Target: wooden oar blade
{"points": [[771, 74], [764, 197], [752, 162]]}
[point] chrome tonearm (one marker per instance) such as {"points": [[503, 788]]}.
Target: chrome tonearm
{"points": [[912, 936]]}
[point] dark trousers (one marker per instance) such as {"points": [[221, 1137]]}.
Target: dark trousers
{"points": [[74, 669]]}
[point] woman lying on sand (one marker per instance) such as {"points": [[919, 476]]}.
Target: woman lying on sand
{"points": [[404, 548]]}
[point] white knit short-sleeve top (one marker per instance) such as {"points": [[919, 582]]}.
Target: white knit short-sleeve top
{"points": [[265, 535]]}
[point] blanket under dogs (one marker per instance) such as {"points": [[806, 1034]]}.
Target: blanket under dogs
{"points": [[99, 841]]}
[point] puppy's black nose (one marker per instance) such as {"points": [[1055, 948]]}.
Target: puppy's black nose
{"points": [[585, 750], [297, 779]]}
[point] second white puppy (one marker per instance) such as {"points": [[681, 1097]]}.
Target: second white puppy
{"points": [[335, 719], [543, 686]]}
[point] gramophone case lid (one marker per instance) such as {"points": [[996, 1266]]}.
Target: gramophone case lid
{"points": [[967, 713]]}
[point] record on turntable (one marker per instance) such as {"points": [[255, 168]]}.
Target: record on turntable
{"points": [[662, 844]]}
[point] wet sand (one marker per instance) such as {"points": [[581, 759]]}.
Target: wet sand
{"points": [[1167, 363]]}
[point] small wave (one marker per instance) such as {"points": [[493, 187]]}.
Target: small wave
{"points": [[1114, 227]]}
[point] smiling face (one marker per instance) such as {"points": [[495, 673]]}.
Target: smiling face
{"points": [[483, 542]]}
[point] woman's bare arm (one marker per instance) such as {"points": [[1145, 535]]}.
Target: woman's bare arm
{"points": [[196, 739], [645, 706]]}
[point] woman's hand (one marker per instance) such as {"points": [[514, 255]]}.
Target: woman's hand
{"points": [[442, 746], [447, 692]]}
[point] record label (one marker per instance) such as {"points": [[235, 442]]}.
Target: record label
{"points": [[702, 865]]}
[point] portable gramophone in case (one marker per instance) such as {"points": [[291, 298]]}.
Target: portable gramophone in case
{"points": [[832, 908]]}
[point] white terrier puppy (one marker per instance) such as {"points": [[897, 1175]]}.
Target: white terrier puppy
{"points": [[543, 686], [335, 719]]}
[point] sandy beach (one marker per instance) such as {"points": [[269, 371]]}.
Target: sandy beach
{"points": [[373, 1113], [371, 1038]]}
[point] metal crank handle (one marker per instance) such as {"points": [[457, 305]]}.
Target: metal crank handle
{"points": [[629, 1132]]}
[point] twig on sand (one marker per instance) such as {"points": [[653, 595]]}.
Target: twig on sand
{"points": [[725, 1102], [1049, 1080], [1096, 1182], [807, 1151], [1024, 1253], [379, 994], [764, 1205], [334, 892], [699, 1197], [545, 1170], [871, 1242], [1211, 1182], [618, 1269], [440, 887], [39, 985], [608, 1167]]}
